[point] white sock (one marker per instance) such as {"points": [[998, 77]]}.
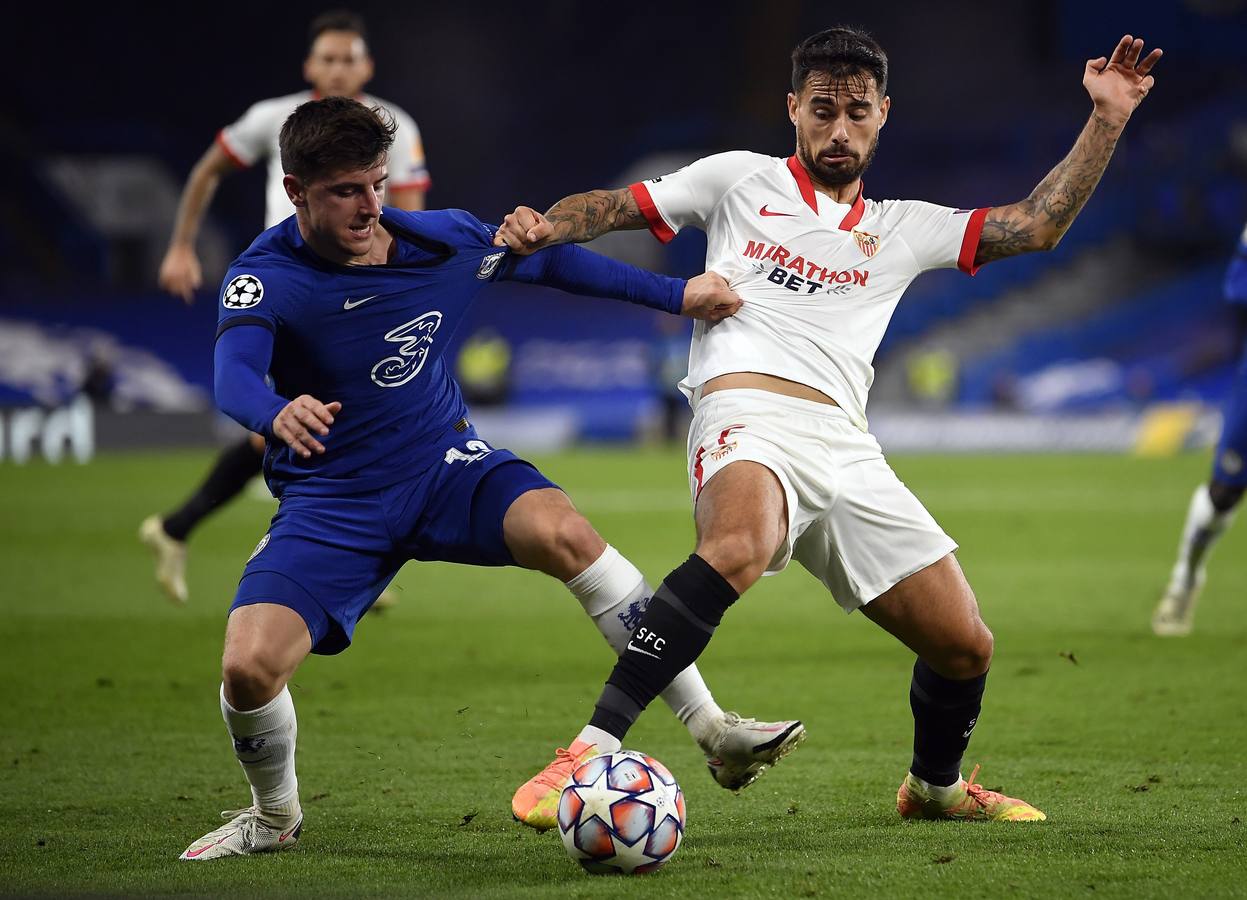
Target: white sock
{"points": [[1203, 526], [942, 793], [614, 594], [605, 741], [264, 744]]}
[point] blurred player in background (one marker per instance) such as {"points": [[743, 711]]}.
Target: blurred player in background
{"points": [[781, 464], [349, 308], [337, 65], [1212, 506]]}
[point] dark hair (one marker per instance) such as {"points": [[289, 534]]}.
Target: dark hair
{"points": [[841, 52], [334, 134], [336, 20]]}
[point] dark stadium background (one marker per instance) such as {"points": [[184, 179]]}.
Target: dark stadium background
{"points": [[529, 102]]}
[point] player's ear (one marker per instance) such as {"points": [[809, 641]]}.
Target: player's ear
{"points": [[295, 190], [883, 109], [792, 108]]}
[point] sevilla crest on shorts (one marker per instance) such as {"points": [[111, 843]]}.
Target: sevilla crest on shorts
{"points": [[866, 242]]}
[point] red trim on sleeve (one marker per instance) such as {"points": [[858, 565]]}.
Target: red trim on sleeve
{"points": [[854, 215], [803, 183], [233, 157], [657, 224], [970, 242]]}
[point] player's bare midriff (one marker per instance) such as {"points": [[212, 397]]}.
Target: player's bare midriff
{"points": [[760, 382]]}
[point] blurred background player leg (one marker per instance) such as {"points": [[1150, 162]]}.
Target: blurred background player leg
{"points": [[1206, 521], [1211, 510], [167, 535]]}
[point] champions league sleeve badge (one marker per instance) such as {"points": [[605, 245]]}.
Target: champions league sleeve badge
{"points": [[243, 292]]}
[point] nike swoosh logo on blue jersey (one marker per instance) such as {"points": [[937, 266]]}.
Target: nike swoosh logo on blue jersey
{"points": [[351, 304]]}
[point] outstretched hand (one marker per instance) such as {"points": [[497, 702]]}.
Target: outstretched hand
{"points": [[525, 231], [709, 297], [1119, 84]]}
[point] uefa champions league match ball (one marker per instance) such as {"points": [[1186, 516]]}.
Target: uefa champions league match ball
{"points": [[623, 813]]}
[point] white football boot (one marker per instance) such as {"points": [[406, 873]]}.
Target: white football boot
{"points": [[246, 833], [745, 748], [170, 558], [1175, 613]]}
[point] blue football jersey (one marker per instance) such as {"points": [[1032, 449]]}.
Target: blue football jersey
{"points": [[371, 338], [1236, 276]]}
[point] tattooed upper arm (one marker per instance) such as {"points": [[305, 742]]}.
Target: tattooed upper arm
{"points": [[1039, 221], [582, 217]]}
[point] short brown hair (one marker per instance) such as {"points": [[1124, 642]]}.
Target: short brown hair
{"points": [[841, 52], [334, 134]]}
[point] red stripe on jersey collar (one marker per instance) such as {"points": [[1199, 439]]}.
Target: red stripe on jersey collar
{"points": [[806, 186]]}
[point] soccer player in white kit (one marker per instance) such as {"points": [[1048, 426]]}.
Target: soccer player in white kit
{"points": [[781, 465], [337, 64]]}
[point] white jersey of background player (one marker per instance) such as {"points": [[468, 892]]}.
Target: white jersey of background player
{"points": [[821, 278], [254, 137], [338, 64]]}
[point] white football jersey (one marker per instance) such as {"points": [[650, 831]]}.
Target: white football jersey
{"points": [[255, 136], [819, 279]]}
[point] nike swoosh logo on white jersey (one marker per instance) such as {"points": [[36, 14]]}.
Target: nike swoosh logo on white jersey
{"points": [[770, 212], [639, 650], [351, 304]]}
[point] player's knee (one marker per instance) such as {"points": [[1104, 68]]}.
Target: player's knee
{"points": [[982, 650], [576, 542], [1224, 497], [568, 544], [250, 680], [973, 654], [740, 557]]}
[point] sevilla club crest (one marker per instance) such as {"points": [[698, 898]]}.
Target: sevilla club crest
{"points": [[866, 242]]}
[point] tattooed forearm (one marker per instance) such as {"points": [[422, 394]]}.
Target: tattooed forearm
{"points": [[582, 217], [1039, 221]]}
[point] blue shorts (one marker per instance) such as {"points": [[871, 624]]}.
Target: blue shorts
{"points": [[1230, 463], [329, 558]]}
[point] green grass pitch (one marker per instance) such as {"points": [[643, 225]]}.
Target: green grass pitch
{"points": [[113, 755]]}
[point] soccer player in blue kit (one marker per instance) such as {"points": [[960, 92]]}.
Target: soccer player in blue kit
{"points": [[349, 307], [1212, 505]]}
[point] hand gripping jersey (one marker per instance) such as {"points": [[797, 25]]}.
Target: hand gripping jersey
{"points": [[819, 279], [255, 135]]}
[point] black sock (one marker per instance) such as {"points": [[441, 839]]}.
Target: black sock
{"points": [[675, 629], [233, 469], [945, 713]]}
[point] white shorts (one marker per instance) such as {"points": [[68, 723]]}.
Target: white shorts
{"points": [[851, 522]]}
